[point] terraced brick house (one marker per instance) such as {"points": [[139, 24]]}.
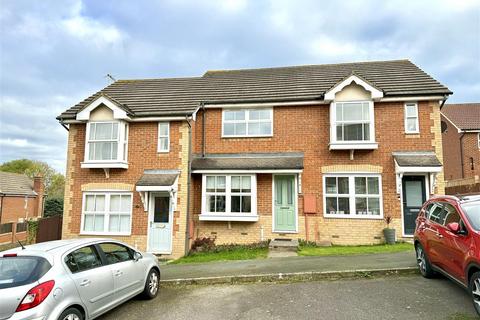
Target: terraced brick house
{"points": [[319, 152]]}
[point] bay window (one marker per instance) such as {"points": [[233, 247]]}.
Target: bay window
{"points": [[106, 213], [227, 196], [353, 196], [106, 142], [247, 123]]}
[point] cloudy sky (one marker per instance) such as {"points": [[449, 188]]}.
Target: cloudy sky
{"points": [[55, 53]]}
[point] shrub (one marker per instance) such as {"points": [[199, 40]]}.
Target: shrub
{"points": [[53, 207], [203, 244]]}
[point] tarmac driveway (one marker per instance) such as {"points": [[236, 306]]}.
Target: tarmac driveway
{"points": [[409, 297]]}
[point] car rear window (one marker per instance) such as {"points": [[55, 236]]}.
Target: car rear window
{"points": [[21, 270], [472, 210]]}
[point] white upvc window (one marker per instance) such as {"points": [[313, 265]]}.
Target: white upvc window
{"points": [[411, 118], [108, 213], [247, 122], [353, 196], [225, 195], [352, 121], [478, 139], [163, 137], [106, 141]]}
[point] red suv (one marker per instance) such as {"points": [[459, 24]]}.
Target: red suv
{"points": [[447, 241]]}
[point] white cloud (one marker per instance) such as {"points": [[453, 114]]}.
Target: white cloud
{"points": [[15, 143]]}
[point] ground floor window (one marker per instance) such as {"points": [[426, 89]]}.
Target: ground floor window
{"points": [[229, 194], [352, 195], [107, 213]]}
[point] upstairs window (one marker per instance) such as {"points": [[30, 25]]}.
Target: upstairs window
{"points": [[353, 121], [163, 137], [411, 118], [247, 123], [106, 141]]}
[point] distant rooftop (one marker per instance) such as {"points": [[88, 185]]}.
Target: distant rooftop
{"points": [[14, 183], [466, 116]]}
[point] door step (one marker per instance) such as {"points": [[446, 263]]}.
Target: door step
{"points": [[282, 247]]}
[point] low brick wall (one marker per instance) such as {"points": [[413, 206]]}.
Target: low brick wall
{"points": [[462, 186]]}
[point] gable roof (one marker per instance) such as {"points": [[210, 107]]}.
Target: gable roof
{"points": [[182, 96], [14, 183], [465, 116]]}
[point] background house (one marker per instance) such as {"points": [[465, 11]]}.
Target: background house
{"points": [[461, 146], [21, 198]]}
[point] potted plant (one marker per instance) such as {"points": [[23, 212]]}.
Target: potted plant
{"points": [[388, 232]]}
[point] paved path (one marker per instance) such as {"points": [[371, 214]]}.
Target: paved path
{"points": [[289, 265], [410, 298]]}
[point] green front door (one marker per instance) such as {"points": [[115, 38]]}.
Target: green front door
{"points": [[284, 202]]}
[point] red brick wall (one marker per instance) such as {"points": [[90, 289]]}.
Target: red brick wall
{"points": [[451, 151], [471, 151], [307, 129], [14, 208]]}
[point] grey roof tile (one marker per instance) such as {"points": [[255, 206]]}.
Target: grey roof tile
{"points": [[417, 159], [465, 116], [248, 161], [14, 183], [157, 178]]}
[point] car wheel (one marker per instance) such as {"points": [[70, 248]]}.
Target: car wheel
{"points": [[474, 287], [152, 284], [423, 263], [71, 314]]}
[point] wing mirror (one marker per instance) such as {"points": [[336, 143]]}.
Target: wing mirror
{"points": [[455, 228], [137, 256]]}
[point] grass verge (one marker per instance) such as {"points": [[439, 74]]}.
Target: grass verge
{"points": [[240, 253], [312, 250]]}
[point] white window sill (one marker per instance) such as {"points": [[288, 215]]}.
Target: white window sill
{"points": [[412, 132], [92, 233], [243, 137], [228, 217], [353, 145], [104, 164], [352, 216]]}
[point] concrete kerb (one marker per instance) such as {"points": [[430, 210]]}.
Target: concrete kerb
{"points": [[290, 277]]}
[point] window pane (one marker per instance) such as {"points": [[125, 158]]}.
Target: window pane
{"points": [[259, 114], [211, 203], [451, 214], [163, 144], [374, 206], [115, 203], [88, 222], [239, 115], [236, 184], [126, 203], [114, 224], [116, 253], [246, 184], [98, 222], [92, 131], [343, 206], [331, 205], [240, 129], [228, 129], [339, 132], [163, 129], [339, 111], [366, 131], [254, 128], [229, 115], [210, 184], [114, 151], [265, 128], [246, 204], [83, 259], [221, 183], [124, 223], [361, 205], [103, 131], [360, 185], [373, 187], [236, 204], [366, 111], [115, 131], [290, 191], [411, 110], [343, 185], [99, 203], [353, 132], [220, 202], [353, 111], [331, 184], [412, 124], [89, 202]]}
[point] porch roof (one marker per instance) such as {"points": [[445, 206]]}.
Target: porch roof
{"points": [[417, 159], [249, 161], [157, 178]]}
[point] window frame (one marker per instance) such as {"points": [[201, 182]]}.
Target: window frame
{"points": [[246, 121], [228, 195], [352, 196], [478, 140], [167, 136], [406, 118], [334, 122], [122, 142], [106, 213]]}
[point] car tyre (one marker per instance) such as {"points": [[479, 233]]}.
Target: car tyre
{"points": [[71, 314], [423, 263], [152, 285], [474, 289]]}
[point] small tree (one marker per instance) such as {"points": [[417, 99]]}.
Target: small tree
{"points": [[53, 207]]}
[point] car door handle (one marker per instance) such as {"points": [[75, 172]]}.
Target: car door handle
{"points": [[439, 235], [85, 283], [118, 273]]}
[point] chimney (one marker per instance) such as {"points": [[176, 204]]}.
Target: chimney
{"points": [[39, 188]]}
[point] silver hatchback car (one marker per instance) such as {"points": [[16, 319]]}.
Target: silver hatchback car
{"points": [[76, 279]]}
